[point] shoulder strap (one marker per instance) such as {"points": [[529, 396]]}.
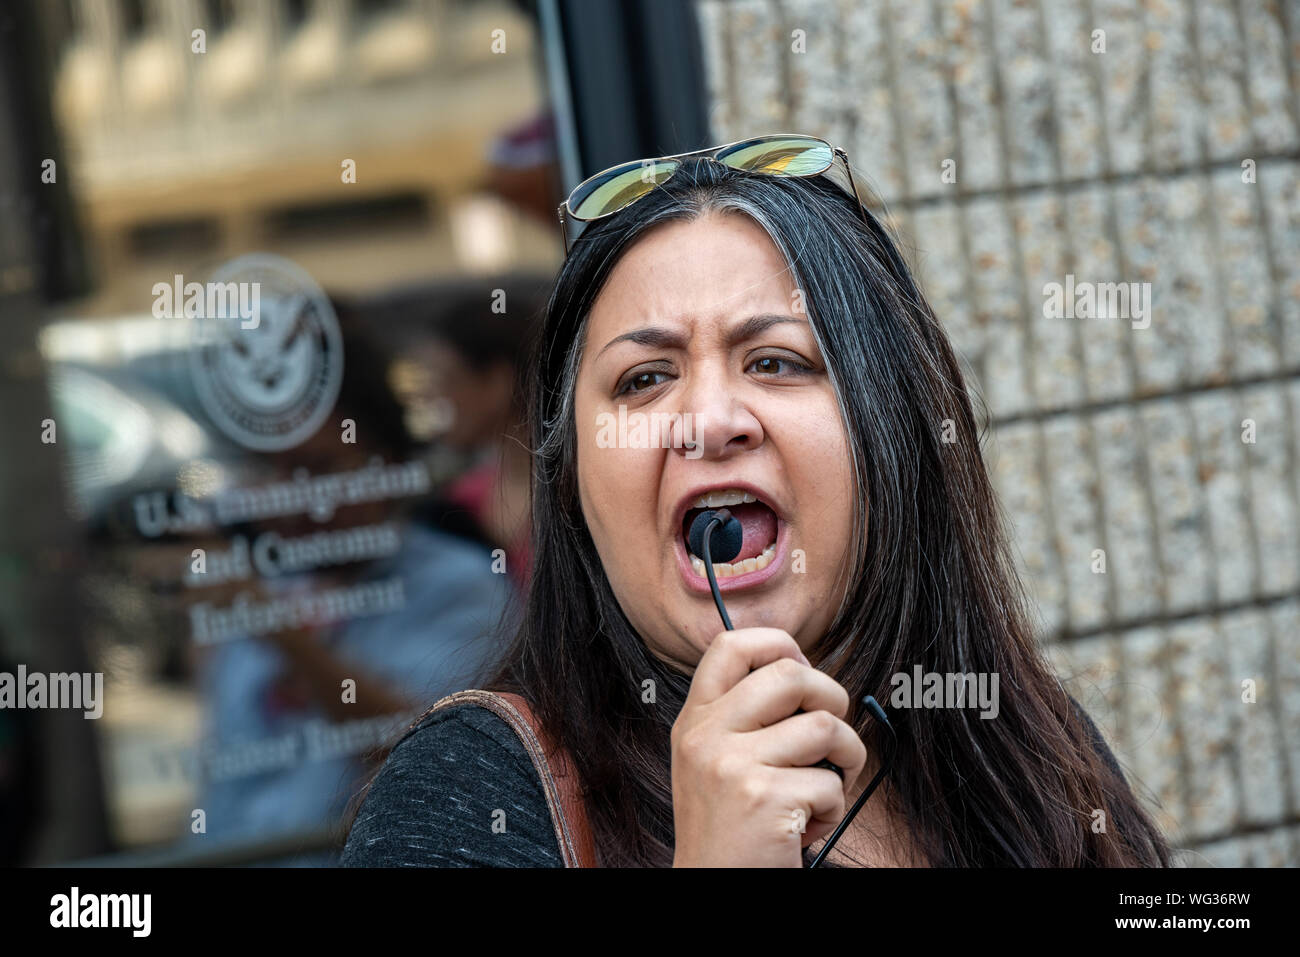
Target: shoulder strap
{"points": [[554, 768]]}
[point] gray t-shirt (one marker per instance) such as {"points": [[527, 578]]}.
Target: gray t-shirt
{"points": [[436, 799]]}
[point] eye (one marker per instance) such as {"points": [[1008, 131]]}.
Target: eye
{"points": [[779, 366], [640, 381]]}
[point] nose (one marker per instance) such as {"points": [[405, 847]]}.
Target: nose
{"points": [[720, 424]]}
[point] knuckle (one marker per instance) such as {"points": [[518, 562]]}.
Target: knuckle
{"points": [[787, 669], [687, 744], [832, 796], [724, 643], [726, 767], [752, 790], [786, 639], [825, 724]]}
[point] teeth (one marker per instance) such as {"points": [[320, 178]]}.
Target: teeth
{"points": [[731, 569], [730, 496]]}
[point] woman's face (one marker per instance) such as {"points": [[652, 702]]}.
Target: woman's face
{"points": [[701, 320]]}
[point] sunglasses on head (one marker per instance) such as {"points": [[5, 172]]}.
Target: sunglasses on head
{"points": [[777, 154]]}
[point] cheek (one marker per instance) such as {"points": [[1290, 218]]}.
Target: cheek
{"points": [[618, 495], [824, 473], [613, 488]]}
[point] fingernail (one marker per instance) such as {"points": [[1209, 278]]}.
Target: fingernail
{"points": [[804, 659]]}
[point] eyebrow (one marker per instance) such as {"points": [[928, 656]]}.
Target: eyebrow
{"points": [[669, 338]]}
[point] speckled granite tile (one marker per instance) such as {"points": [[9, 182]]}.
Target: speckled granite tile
{"points": [[1133, 561], [1074, 487], [1180, 509], [1272, 500], [1256, 735], [1021, 489], [1221, 471]]}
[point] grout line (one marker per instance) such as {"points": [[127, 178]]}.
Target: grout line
{"points": [[1106, 178], [1246, 830], [1135, 402], [1169, 618]]}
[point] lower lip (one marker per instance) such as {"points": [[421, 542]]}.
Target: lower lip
{"points": [[700, 583]]}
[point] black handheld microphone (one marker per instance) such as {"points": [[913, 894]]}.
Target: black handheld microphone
{"points": [[718, 530]]}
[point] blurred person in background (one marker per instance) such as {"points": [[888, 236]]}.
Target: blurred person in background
{"points": [[472, 359], [522, 167], [277, 686]]}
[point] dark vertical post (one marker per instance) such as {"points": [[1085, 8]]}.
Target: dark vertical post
{"points": [[41, 624], [634, 80]]}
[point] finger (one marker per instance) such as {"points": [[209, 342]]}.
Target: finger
{"points": [[816, 792], [804, 739], [815, 831], [777, 690], [734, 654]]}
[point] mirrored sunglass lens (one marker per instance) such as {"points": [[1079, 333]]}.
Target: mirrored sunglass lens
{"points": [[620, 186], [793, 156]]}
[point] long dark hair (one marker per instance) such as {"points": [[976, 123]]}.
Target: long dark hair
{"points": [[931, 580]]}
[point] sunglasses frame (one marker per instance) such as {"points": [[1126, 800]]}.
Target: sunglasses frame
{"points": [[566, 213]]}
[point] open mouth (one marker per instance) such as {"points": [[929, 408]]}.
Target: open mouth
{"points": [[759, 521]]}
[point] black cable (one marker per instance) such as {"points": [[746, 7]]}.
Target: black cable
{"points": [[718, 519], [879, 714]]}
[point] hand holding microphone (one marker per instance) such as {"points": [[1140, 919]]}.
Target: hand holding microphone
{"points": [[745, 793], [753, 736], [716, 532]]}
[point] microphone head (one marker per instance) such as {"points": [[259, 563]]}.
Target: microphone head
{"points": [[727, 537]]}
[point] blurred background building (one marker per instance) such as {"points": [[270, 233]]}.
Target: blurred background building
{"points": [[184, 158], [409, 155], [398, 151]]}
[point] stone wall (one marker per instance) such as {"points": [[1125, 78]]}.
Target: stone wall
{"points": [[1014, 146]]}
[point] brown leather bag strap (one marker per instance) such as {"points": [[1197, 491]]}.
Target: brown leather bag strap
{"points": [[555, 769]]}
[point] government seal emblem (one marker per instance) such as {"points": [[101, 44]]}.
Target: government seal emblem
{"points": [[269, 375]]}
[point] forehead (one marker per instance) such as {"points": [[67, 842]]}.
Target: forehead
{"points": [[716, 266]]}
